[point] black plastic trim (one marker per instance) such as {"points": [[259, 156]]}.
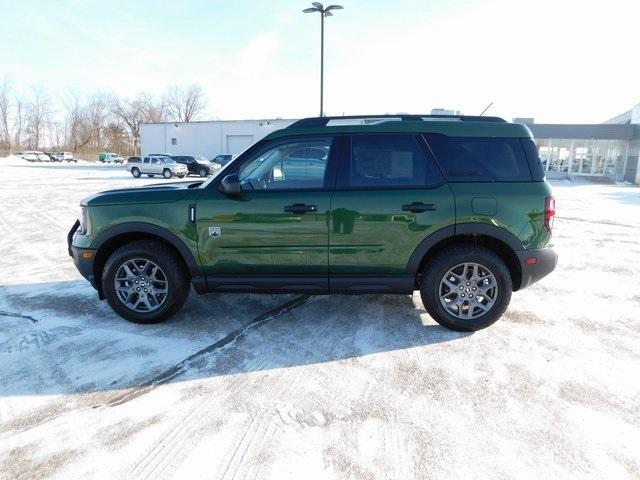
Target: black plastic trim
{"points": [[268, 284], [141, 227], [421, 250], [547, 260], [381, 284], [473, 228]]}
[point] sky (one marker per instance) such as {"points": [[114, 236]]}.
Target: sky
{"points": [[559, 61]]}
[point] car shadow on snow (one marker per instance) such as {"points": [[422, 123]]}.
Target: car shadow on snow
{"points": [[57, 338]]}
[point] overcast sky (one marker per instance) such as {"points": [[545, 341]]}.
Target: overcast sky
{"points": [[555, 60]]}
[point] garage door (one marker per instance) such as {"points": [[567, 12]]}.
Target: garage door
{"points": [[238, 143]]}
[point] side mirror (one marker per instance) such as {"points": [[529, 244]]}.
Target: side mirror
{"points": [[231, 185]]}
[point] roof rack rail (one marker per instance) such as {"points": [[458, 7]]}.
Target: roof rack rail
{"points": [[312, 122]]}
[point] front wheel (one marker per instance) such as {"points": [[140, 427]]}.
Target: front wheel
{"points": [[135, 172], [144, 282], [167, 173], [203, 172], [466, 287]]}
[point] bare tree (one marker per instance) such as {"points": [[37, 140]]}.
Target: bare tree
{"points": [[18, 123], [143, 108], [5, 113], [185, 104], [97, 115], [39, 109], [78, 130]]}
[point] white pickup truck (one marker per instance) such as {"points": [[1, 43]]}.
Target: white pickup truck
{"points": [[152, 165]]}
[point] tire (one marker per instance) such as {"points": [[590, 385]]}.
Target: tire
{"points": [[170, 268], [449, 260], [135, 171], [203, 172], [166, 173]]}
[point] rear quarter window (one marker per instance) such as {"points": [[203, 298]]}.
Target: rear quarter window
{"points": [[471, 159]]}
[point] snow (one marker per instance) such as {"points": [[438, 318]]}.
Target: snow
{"points": [[334, 387]]}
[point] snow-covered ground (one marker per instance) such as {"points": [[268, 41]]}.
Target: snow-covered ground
{"points": [[290, 387]]}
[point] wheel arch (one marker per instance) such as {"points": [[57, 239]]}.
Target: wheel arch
{"points": [[497, 239], [113, 238]]}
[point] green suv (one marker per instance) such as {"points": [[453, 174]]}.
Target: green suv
{"points": [[455, 206]]}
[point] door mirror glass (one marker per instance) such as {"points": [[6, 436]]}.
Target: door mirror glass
{"points": [[231, 185]]}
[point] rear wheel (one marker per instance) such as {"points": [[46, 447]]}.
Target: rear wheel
{"points": [[466, 287], [144, 282], [166, 173], [135, 171]]}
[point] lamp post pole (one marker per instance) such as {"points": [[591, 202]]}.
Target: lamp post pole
{"points": [[321, 64], [324, 12]]}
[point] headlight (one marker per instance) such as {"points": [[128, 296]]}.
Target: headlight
{"points": [[84, 221]]}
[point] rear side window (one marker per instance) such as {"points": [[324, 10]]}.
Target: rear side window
{"points": [[469, 159], [382, 161]]}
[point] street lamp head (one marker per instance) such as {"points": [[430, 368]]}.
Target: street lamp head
{"points": [[318, 7]]}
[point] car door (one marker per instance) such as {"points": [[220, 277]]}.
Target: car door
{"points": [[145, 165], [389, 197], [274, 235]]}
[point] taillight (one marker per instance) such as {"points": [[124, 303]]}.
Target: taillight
{"points": [[549, 212]]}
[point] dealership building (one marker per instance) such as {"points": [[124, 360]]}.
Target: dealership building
{"points": [[609, 150]]}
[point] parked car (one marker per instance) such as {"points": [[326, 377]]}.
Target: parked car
{"points": [[222, 160], [66, 157], [197, 165], [30, 156], [153, 165], [456, 207], [107, 157], [51, 157]]}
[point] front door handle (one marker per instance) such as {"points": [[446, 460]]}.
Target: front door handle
{"points": [[418, 207], [300, 208]]}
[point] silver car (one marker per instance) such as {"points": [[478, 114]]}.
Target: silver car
{"points": [[153, 165]]}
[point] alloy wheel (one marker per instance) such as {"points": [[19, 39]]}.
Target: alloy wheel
{"points": [[468, 290]]}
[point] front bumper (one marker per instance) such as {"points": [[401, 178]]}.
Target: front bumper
{"points": [[83, 258], [546, 260]]}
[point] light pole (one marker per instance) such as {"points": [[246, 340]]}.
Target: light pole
{"points": [[324, 12]]}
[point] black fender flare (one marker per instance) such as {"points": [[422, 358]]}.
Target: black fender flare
{"points": [[141, 227], [467, 228]]}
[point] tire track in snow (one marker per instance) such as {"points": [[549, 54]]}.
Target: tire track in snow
{"points": [[189, 362], [18, 315]]}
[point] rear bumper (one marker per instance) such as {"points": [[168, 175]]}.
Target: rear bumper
{"points": [[546, 260], [83, 258]]}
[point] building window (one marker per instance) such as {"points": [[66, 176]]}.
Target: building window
{"points": [[174, 141]]}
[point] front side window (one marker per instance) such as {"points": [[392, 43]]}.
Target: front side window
{"points": [[294, 165], [382, 161]]}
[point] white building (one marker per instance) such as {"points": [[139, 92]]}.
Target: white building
{"points": [[208, 138]]}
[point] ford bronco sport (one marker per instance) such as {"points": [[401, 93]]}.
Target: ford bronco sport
{"points": [[456, 206]]}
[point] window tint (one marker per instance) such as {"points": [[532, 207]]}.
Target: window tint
{"points": [[292, 165], [533, 157], [468, 159], [386, 161]]}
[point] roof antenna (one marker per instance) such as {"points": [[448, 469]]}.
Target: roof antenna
{"points": [[486, 108]]}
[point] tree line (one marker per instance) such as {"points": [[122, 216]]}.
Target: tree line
{"points": [[88, 124]]}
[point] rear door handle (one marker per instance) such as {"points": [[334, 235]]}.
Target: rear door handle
{"points": [[300, 208], [418, 207]]}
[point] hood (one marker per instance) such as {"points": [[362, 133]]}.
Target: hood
{"points": [[158, 193]]}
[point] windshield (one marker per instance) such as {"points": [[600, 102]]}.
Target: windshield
{"points": [[200, 159]]}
